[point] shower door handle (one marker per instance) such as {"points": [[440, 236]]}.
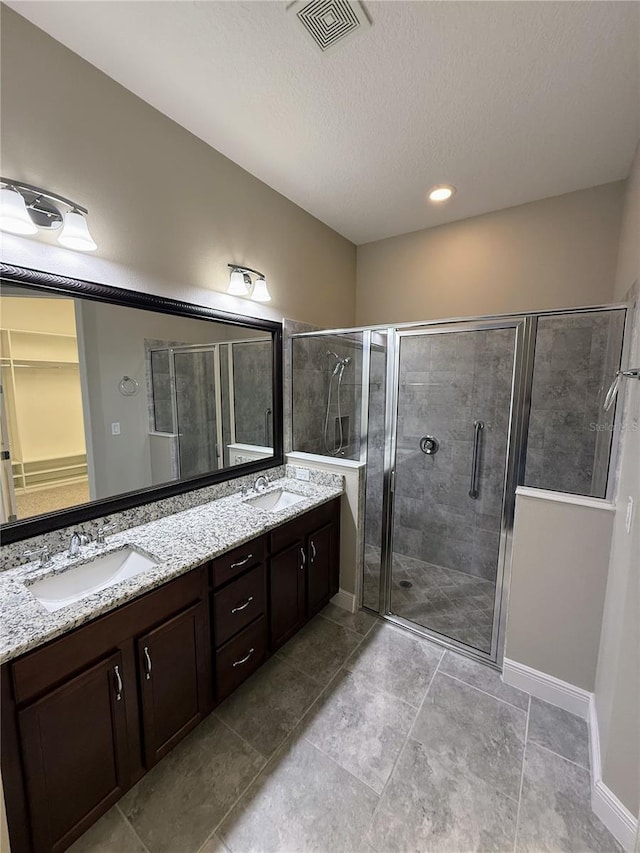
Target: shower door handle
{"points": [[478, 426]]}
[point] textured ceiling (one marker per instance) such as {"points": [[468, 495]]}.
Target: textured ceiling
{"points": [[510, 102]]}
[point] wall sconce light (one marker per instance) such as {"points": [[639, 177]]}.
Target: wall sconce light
{"points": [[241, 283], [24, 209]]}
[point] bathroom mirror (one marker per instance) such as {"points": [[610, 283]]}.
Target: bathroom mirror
{"points": [[112, 398]]}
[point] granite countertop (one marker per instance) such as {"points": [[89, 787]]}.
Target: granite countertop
{"points": [[178, 543]]}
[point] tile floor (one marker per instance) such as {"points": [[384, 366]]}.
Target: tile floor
{"points": [[455, 604], [359, 737]]}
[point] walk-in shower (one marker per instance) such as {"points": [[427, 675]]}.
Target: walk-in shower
{"points": [[457, 414]]}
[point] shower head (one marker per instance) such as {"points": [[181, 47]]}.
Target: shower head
{"points": [[341, 362]]}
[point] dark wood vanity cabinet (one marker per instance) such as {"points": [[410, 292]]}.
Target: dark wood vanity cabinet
{"points": [[86, 715], [74, 748], [304, 570]]}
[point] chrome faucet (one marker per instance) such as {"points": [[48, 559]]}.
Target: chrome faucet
{"points": [[43, 553], [261, 484], [77, 540]]}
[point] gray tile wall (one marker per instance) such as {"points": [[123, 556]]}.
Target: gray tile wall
{"points": [[312, 372], [569, 434], [252, 379], [447, 382], [196, 408]]}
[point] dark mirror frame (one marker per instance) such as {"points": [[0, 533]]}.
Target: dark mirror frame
{"points": [[48, 282]]}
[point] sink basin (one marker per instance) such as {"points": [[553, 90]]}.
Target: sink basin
{"points": [[74, 584], [275, 501]]}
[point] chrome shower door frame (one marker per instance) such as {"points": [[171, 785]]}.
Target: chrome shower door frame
{"points": [[519, 407]]}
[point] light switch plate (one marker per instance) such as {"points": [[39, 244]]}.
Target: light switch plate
{"points": [[302, 474], [115, 429]]}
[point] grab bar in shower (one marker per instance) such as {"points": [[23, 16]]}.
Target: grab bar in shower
{"points": [[478, 426], [612, 393], [267, 415]]}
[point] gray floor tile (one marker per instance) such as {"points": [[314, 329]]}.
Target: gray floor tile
{"points": [[555, 810], [559, 731], [302, 801], [214, 845], [427, 808], [484, 678], [320, 649], [269, 705], [473, 733], [361, 729], [360, 621], [178, 804], [393, 660], [111, 834]]}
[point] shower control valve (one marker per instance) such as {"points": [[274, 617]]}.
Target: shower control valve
{"points": [[429, 445]]}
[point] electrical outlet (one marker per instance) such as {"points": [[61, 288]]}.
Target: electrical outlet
{"points": [[302, 474], [629, 518], [115, 429]]}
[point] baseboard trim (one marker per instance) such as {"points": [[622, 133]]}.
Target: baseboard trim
{"points": [[547, 687], [346, 600], [614, 814]]}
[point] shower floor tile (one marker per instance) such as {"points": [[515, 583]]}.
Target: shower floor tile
{"points": [[453, 603]]}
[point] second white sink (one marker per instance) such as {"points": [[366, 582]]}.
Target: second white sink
{"points": [[67, 587], [275, 501]]}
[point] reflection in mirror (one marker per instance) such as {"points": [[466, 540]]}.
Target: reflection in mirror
{"points": [[99, 399]]}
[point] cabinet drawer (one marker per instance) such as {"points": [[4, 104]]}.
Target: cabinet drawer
{"points": [[284, 536], [238, 604], [230, 565], [240, 657]]}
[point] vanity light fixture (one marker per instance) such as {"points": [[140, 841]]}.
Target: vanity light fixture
{"points": [[25, 209], [441, 192], [241, 283]]}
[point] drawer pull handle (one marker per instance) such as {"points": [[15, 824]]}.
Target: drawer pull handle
{"points": [[116, 671], [242, 606], [304, 559], [244, 660], [241, 562], [147, 663], [313, 551]]}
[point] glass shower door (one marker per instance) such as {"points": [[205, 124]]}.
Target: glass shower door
{"points": [[196, 409], [455, 388]]}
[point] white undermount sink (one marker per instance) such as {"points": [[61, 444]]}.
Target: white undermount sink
{"points": [[275, 501], [67, 587]]}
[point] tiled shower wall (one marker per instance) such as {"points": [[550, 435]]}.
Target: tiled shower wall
{"points": [[570, 435], [448, 381], [312, 373], [252, 380]]}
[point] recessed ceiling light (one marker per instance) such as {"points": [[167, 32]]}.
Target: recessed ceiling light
{"points": [[441, 192]]}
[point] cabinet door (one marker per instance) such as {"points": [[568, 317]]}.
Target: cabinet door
{"points": [[74, 750], [287, 593], [320, 583], [172, 663]]}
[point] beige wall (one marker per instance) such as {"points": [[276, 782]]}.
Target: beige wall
{"points": [[618, 675], [554, 253], [558, 583], [167, 211]]}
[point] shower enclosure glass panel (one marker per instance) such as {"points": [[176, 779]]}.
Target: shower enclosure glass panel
{"points": [[327, 394], [453, 418], [252, 395], [570, 434], [196, 412]]}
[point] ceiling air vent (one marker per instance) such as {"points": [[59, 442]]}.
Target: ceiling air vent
{"points": [[330, 22]]}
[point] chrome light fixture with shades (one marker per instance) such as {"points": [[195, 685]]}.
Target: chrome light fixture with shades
{"points": [[251, 284], [25, 209]]}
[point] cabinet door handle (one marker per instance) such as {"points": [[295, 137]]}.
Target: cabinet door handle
{"points": [[147, 663], [241, 562], [245, 659], [304, 559], [116, 671], [313, 551], [242, 606]]}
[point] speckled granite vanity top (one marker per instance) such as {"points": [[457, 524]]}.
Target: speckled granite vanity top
{"points": [[177, 543]]}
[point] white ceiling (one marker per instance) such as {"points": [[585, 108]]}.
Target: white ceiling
{"points": [[510, 102]]}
